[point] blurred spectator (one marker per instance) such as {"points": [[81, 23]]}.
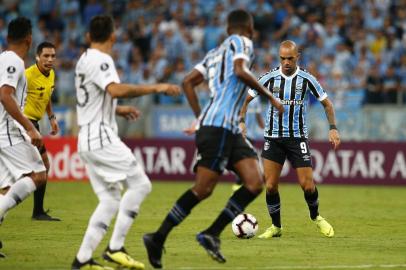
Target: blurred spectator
{"points": [[373, 93]]}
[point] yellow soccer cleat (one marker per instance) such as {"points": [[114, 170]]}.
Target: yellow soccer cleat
{"points": [[235, 187], [122, 258], [88, 265], [324, 227], [272, 231]]}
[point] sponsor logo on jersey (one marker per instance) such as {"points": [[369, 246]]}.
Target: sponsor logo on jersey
{"points": [[104, 66], [11, 69], [292, 102]]}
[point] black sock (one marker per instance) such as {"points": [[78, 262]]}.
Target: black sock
{"points": [[273, 202], [236, 204], [39, 194], [312, 199], [178, 213]]}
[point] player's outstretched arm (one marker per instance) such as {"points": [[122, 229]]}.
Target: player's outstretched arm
{"points": [[11, 106], [245, 75], [128, 112], [333, 135], [193, 79], [122, 90]]}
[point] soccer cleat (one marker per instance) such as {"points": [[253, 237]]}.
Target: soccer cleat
{"points": [[212, 245], [154, 250], [235, 187], [272, 231], [324, 227], [2, 255], [44, 217], [88, 265], [121, 258]]}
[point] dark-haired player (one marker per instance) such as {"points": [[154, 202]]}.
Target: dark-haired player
{"points": [[219, 140], [286, 135], [21, 166], [40, 86], [109, 162]]}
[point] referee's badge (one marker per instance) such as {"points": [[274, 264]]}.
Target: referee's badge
{"points": [[266, 145]]}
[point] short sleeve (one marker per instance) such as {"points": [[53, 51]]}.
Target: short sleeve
{"points": [[242, 47], [12, 71], [105, 73], [202, 67], [316, 89]]}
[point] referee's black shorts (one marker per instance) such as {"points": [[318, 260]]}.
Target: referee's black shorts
{"points": [[218, 148], [295, 149], [42, 148]]}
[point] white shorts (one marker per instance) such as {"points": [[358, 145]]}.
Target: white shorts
{"points": [[112, 166], [18, 160]]}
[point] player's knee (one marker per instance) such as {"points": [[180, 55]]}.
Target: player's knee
{"points": [[202, 192], [271, 187], [39, 178], [255, 187]]}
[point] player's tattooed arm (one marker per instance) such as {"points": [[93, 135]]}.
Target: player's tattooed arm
{"points": [[334, 136]]}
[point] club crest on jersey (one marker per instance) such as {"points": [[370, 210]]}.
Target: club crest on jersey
{"points": [[11, 69], [266, 145], [276, 90], [298, 89], [104, 66]]}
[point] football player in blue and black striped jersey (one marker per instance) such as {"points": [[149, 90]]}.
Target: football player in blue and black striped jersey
{"points": [[286, 134], [219, 140]]}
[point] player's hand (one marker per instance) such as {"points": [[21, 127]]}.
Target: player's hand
{"points": [[334, 138], [243, 128], [54, 126], [128, 112], [168, 89], [192, 129], [36, 138], [278, 105]]}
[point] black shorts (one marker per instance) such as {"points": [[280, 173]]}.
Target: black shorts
{"points": [[42, 148], [295, 149], [218, 148]]}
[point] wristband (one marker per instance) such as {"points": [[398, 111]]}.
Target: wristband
{"points": [[52, 116], [333, 127]]}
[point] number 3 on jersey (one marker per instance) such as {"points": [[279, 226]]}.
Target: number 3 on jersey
{"points": [[82, 96]]}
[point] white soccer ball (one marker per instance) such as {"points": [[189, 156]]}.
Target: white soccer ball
{"points": [[245, 226]]}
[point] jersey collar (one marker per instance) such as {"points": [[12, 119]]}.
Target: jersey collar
{"points": [[291, 76]]}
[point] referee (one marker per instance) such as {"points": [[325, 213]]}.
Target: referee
{"points": [[40, 85]]}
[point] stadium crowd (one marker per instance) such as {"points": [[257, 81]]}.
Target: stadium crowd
{"points": [[355, 48]]}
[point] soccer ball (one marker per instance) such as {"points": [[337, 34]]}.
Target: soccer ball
{"points": [[245, 226]]}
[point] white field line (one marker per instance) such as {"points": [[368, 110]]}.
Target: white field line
{"points": [[361, 266]]}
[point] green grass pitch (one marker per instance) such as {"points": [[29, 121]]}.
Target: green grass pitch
{"points": [[369, 222]]}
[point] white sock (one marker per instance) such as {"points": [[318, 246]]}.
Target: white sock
{"points": [[16, 194], [97, 228], [129, 207]]}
